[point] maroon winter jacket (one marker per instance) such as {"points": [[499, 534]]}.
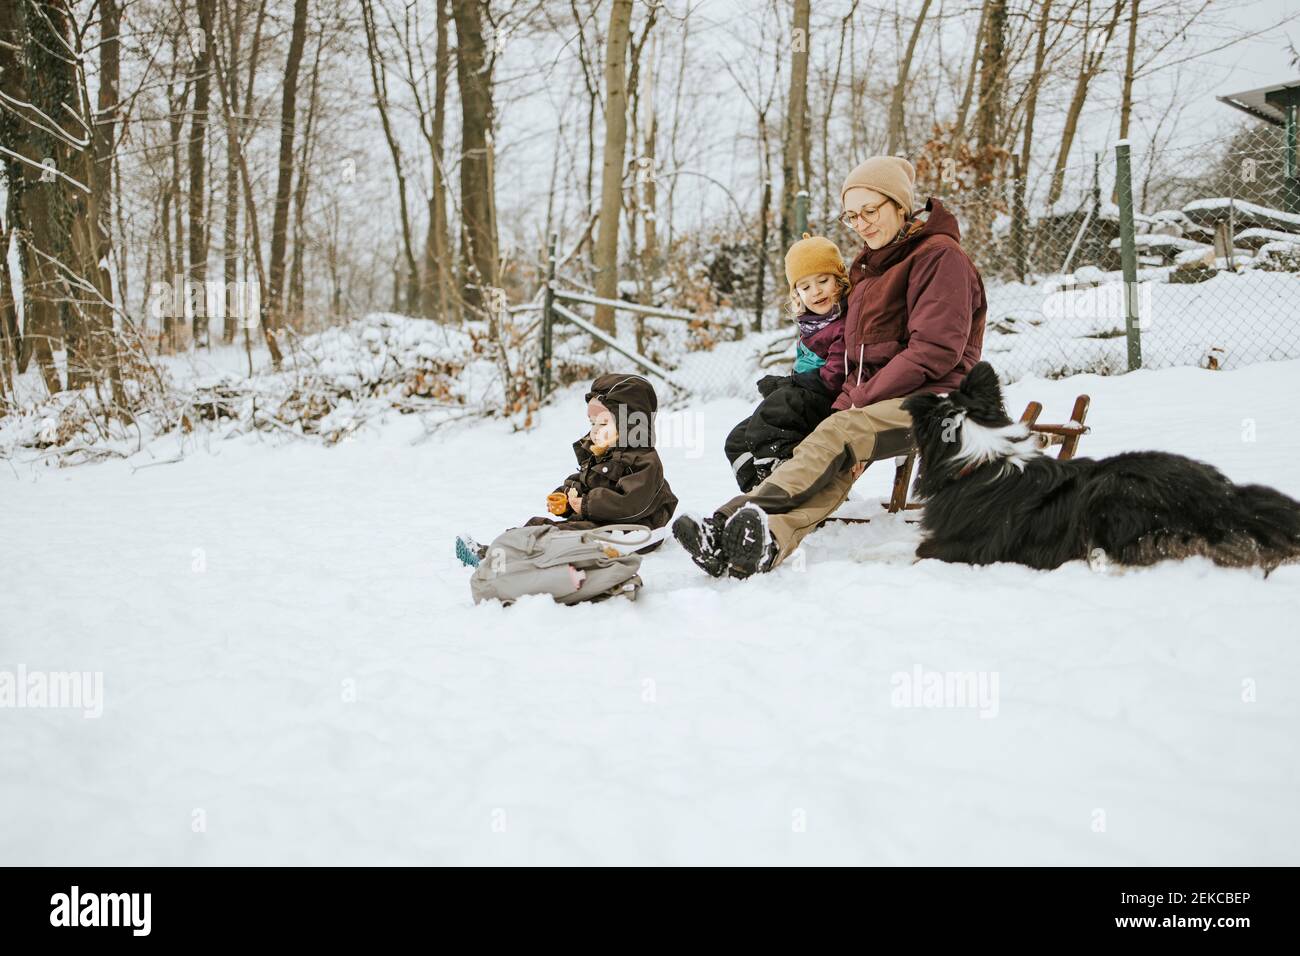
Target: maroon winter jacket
{"points": [[916, 315]]}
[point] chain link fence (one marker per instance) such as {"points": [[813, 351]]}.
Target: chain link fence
{"points": [[1216, 254], [709, 353], [1215, 259]]}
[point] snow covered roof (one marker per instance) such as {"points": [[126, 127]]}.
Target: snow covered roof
{"points": [[1264, 103], [1148, 241], [1249, 236], [1207, 210]]}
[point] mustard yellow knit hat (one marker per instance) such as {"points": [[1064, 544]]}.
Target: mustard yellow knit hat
{"points": [[812, 255]]}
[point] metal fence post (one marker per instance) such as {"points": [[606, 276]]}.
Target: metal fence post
{"points": [[1291, 201], [801, 203], [1128, 254], [548, 315], [1019, 217]]}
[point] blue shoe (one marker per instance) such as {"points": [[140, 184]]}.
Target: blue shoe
{"points": [[468, 551]]}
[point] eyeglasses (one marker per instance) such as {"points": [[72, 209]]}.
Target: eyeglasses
{"points": [[866, 214]]}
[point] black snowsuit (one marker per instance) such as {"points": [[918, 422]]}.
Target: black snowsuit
{"points": [[792, 406]]}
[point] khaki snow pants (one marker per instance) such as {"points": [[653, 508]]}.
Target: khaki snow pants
{"points": [[806, 489]]}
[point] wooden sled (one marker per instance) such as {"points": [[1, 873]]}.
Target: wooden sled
{"points": [[1066, 435]]}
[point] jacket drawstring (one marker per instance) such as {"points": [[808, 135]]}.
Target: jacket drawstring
{"points": [[861, 346]]}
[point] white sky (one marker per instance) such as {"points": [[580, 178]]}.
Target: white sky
{"points": [[722, 144]]}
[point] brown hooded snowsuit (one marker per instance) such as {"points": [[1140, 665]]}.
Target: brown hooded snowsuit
{"points": [[626, 484]]}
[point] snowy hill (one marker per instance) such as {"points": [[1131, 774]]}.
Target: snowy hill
{"points": [[293, 671]]}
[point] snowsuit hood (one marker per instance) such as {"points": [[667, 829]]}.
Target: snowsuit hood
{"points": [[633, 402], [626, 484]]}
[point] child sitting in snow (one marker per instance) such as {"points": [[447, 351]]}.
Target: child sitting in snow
{"points": [[793, 405], [620, 479]]}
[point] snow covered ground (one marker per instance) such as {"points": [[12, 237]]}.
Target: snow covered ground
{"points": [[293, 671]]}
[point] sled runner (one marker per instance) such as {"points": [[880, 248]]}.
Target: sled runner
{"points": [[631, 539], [1066, 435]]}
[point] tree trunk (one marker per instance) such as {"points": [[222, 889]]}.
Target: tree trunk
{"points": [[1019, 213], [649, 193], [985, 159], [47, 207], [1126, 97], [62, 199], [968, 91], [230, 237], [796, 120], [643, 162], [1126, 101], [379, 82], [593, 102], [103, 162], [174, 245], [284, 183], [437, 245], [897, 132], [988, 113], [764, 210], [252, 224], [110, 71], [611, 178], [12, 286], [198, 270], [229, 105], [297, 267], [478, 234], [1089, 67], [1035, 83]]}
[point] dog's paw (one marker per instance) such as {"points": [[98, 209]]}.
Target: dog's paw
{"points": [[1100, 562]]}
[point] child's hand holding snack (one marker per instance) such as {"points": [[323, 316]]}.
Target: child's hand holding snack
{"points": [[575, 502]]}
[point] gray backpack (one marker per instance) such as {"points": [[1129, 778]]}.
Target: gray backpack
{"points": [[571, 566]]}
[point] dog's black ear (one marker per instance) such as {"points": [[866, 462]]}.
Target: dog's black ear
{"points": [[922, 406], [927, 411], [981, 382], [982, 395]]}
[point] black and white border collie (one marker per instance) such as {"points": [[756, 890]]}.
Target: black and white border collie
{"points": [[991, 494]]}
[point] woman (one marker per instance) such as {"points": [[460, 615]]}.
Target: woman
{"points": [[915, 323]]}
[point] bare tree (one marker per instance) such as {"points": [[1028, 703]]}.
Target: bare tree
{"points": [[198, 162], [61, 197], [231, 36], [477, 176], [1090, 60], [897, 127], [611, 180], [284, 181], [224, 73], [436, 281], [1126, 98], [297, 264], [380, 82], [796, 119]]}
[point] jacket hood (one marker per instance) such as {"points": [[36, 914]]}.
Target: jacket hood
{"points": [[933, 220], [938, 222], [633, 402]]}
